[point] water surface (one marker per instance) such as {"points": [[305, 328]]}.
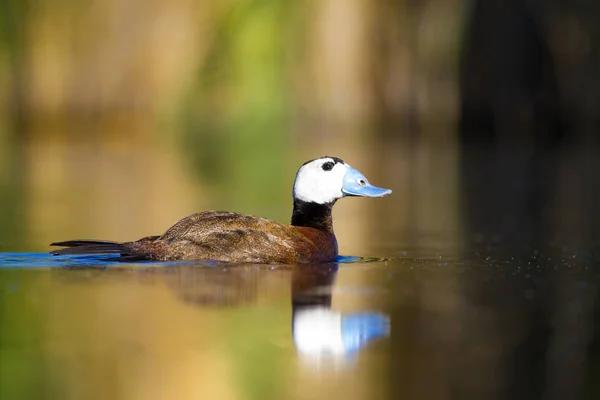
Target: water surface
{"points": [[422, 323]]}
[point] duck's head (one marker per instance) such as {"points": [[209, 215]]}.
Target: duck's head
{"points": [[326, 179]]}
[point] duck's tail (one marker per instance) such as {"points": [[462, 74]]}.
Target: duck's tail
{"points": [[90, 247]]}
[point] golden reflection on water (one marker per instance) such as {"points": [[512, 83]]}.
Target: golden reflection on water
{"points": [[136, 338], [178, 332]]}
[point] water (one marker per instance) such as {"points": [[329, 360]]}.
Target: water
{"points": [[475, 279], [426, 323], [100, 330]]}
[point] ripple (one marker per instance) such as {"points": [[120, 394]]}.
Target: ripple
{"points": [[362, 260], [46, 260]]}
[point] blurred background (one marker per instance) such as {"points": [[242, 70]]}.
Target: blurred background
{"points": [[119, 117]]}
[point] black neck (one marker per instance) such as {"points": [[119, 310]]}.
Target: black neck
{"points": [[313, 215]]}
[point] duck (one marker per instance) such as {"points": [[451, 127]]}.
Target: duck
{"points": [[230, 237]]}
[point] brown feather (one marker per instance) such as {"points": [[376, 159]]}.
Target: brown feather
{"points": [[224, 237]]}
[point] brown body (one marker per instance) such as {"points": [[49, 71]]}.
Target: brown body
{"points": [[238, 238], [223, 237]]}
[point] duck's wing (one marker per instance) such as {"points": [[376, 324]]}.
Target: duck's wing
{"points": [[231, 237]]}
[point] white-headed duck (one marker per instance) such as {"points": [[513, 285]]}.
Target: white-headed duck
{"points": [[236, 238]]}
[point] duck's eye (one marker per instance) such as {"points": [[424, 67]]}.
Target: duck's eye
{"points": [[328, 166]]}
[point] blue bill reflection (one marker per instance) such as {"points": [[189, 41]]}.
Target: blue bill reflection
{"points": [[320, 332]]}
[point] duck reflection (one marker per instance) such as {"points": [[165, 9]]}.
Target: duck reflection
{"points": [[221, 287], [319, 331]]}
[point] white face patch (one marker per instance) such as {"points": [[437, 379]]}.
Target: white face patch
{"points": [[317, 185]]}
